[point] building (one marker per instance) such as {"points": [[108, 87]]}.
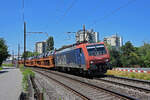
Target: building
{"points": [[87, 35], [95, 37], [40, 47], [114, 41], [11, 59]]}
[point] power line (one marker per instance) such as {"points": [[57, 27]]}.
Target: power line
{"points": [[69, 35], [114, 11], [68, 9], [39, 33]]}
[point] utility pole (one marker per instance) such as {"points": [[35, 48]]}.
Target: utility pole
{"points": [[25, 33], [24, 42], [18, 54]]}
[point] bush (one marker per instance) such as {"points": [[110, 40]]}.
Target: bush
{"points": [[8, 65], [21, 66], [1, 68], [26, 72]]}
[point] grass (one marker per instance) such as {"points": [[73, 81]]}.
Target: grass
{"points": [[143, 76], [8, 65], [26, 72], [1, 68]]}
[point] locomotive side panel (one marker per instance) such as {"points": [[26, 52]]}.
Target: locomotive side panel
{"points": [[73, 59]]}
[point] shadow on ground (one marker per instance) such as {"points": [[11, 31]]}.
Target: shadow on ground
{"points": [[9, 67], [3, 72]]}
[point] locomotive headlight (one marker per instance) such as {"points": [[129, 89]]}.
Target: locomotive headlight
{"points": [[106, 60], [91, 62]]}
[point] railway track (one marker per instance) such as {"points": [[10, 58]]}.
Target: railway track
{"points": [[129, 79], [142, 86], [65, 86], [83, 89]]}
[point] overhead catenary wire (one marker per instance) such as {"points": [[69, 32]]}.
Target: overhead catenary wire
{"points": [[67, 11], [113, 12], [64, 14]]}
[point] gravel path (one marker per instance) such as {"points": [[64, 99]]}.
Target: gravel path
{"points": [[10, 83]]}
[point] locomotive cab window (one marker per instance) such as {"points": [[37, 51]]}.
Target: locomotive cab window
{"points": [[96, 50]]}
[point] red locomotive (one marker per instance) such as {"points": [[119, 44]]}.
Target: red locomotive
{"points": [[89, 58]]}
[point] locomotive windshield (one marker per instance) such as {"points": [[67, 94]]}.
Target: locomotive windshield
{"points": [[96, 50]]}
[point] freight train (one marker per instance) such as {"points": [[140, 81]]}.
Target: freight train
{"points": [[83, 58]]}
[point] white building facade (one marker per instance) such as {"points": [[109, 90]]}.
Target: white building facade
{"points": [[40, 47], [87, 35], [114, 41]]}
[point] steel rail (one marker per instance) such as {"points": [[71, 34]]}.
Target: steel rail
{"points": [[114, 93], [123, 84], [66, 87], [129, 79]]}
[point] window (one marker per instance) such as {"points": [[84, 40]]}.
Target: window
{"points": [[96, 50]]}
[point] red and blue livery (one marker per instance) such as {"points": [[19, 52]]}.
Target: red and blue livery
{"points": [[83, 58], [91, 58]]}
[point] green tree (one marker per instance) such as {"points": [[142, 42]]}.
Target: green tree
{"points": [[127, 48], [147, 59], [124, 61], [27, 54], [35, 53], [143, 49], [144, 53], [3, 51], [130, 57], [133, 59], [50, 44], [115, 57]]}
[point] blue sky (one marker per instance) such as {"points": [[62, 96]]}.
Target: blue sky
{"points": [[129, 18]]}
